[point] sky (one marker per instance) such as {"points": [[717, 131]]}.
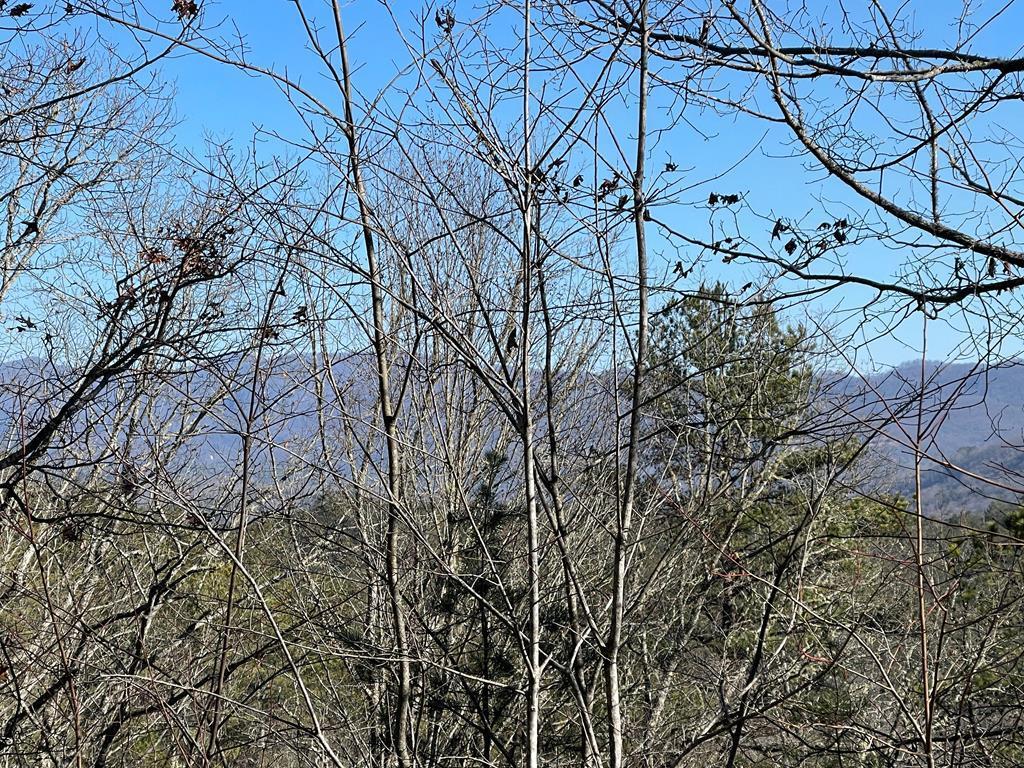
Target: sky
{"points": [[219, 104]]}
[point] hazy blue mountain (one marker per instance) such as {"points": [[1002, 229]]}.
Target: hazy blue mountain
{"points": [[972, 420]]}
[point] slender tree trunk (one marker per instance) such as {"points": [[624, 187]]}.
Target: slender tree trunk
{"points": [[588, 739], [526, 424], [485, 692], [533, 536], [624, 517], [922, 596], [243, 520], [388, 419]]}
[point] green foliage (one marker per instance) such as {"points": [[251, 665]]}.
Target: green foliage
{"points": [[727, 368], [1008, 517]]}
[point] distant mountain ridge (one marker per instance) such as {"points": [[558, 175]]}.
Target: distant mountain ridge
{"points": [[972, 418]]}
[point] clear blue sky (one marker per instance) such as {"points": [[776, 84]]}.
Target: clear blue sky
{"points": [[220, 103]]}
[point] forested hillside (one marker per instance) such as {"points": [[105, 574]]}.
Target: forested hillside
{"points": [[976, 458], [511, 384]]}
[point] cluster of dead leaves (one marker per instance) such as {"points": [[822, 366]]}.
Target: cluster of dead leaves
{"points": [[186, 9], [17, 10]]}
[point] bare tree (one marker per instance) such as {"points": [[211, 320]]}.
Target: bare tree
{"points": [[435, 441]]}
